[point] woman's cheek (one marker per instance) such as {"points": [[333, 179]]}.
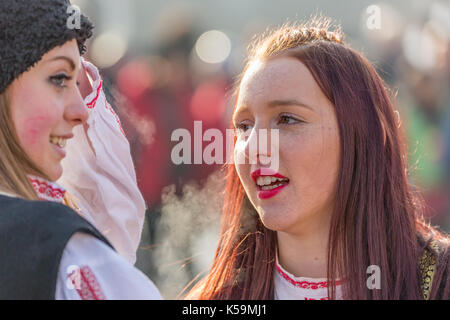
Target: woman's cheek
{"points": [[239, 152], [34, 132], [241, 162], [33, 113]]}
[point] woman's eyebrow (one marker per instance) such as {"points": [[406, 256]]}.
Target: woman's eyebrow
{"points": [[65, 58], [240, 110], [273, 103], [289, 102]]}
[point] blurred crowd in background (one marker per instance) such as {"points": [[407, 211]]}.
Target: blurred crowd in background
{"points": [[168, 63]]}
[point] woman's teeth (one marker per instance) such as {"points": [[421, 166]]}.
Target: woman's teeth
{"points": [[60, 142], [270, 182]]}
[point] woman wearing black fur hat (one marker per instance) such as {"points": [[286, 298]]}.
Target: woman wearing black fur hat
{"points": [[47, 250]]}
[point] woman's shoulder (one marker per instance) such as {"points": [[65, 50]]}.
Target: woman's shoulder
{"points": [[33, 235], [439, 246], [19, 204], [97, 272], [15, 210], [41, 219], [435, 266]]}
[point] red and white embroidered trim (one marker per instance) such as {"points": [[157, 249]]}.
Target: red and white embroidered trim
{"points": [[91, 104], [304, 284], [108, 106], [88, 287], [47, 190]]}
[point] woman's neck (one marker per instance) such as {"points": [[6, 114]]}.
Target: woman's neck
{"points": [[305, 254]]}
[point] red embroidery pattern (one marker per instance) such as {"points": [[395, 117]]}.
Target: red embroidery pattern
{"points": [[304, 284], [91, 104], [47, 190], [88, 288], [108, 106]]}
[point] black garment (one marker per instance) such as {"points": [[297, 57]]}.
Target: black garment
{"points": [[33, 235]]}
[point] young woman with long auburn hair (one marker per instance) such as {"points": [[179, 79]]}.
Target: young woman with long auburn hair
{"points": [[339, 219]]}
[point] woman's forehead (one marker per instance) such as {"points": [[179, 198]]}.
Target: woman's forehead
{"points": [[275, 79], [68, 51]]}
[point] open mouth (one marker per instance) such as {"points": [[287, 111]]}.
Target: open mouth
{"points": [[269, 183], [59, 141]]}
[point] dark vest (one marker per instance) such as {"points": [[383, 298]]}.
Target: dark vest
{"points": [[33, 235]]}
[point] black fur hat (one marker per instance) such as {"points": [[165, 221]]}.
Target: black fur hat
{"points": [[31, 28]]}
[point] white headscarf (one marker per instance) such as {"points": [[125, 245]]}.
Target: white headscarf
{"points": [[102, 179]]}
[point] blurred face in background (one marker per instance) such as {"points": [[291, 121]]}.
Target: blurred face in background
{"points": [[45, 106], [281, 94]]}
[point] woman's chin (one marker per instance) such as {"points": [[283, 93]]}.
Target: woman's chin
{"points": [[275, 220], [55, 172]]}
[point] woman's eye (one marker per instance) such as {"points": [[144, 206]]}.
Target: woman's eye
{"points": [[242, 127], [285, 119], [60, 80]]}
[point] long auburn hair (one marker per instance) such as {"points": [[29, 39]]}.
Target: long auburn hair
{"points": [[377, 217]]}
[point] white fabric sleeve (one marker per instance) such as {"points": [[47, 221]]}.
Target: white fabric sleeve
{"points": [[91, 270], [102, 179]]}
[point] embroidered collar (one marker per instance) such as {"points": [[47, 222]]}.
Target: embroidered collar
{"points": [[47, 190], [302, 282]]}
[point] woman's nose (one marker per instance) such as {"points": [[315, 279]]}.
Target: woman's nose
{"points": [[76, 111], [258, 148]]}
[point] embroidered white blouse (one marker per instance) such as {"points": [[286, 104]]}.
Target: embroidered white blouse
{"points": [[90, 270], [289, 287]]}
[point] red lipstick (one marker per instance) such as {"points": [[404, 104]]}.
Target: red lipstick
{"points": [[266, 194]]}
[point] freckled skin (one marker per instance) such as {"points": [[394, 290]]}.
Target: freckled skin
{"points": [[308, 152], [40, 109]]}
